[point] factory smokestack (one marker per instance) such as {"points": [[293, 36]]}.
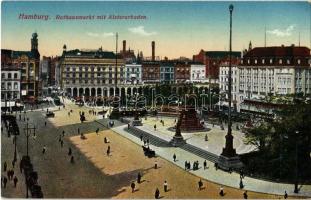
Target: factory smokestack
{"points": [[124, 45], [153, 50]]}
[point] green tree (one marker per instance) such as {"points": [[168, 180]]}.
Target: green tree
{"points": [[283, 142]]}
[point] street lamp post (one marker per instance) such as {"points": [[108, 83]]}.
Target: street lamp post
{"points": [[229, 151], [296, 190]]}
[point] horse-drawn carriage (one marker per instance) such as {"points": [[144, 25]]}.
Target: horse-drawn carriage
{"points": [[50, 114], [148, 152]]}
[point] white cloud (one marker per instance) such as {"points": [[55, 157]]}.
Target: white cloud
{"points": [[99, 35], [282, 33], [92, 34], [108, 34], [140, 30]]}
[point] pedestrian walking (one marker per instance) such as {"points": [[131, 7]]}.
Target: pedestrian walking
{"points": [[13, 163], [97, 130], [200, 184], [285, 195], [157, 194], [8, 174], [78, 130], [72, 160], [245, 196], [155, 164], [133, 186], [141, 137], [221, 192], [108, 151], [4, 166], [12, 174], [69, 151], [174, 158], [165, 185], [138, 177], [241, 184], [205, 164], [15, 180], [155, 127], [5, 180], [61, 143], [128, 126], [43, 150], [63, 133], [45, 123]]}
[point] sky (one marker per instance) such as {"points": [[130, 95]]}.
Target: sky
{"points": [[178, 28]]}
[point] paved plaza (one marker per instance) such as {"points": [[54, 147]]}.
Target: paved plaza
{"points": [[94, 174], [216, 136]]}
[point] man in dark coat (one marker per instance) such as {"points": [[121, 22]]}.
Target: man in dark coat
{"points": [[157, 194], [15, 181], [133, 186]]}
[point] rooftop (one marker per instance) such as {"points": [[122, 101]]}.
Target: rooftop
{"points": [[279, 51], [92, 54], [221, 54]]}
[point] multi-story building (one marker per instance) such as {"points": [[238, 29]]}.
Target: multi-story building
{"points": [[277, 70], [151, 72], [167, 69], [56, 76], [91, 73], [270, 71], [224, 80], [213, 59], [45, 70], [133, 73], [28, 62], [182, 72], [197, 73], [10, 83]]}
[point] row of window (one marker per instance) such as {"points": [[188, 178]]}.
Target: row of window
{"points": [[8, 85], [9, 75], [280, 61]]}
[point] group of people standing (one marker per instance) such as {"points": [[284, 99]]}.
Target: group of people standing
{"points": [[10, 176]]}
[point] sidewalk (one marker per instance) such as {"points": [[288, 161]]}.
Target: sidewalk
{"points": [[7, 155], [211, 174]]}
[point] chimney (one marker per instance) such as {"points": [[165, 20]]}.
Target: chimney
{"points": [[153, 47], [124, 45]]}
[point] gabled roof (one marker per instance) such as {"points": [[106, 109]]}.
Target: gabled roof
{"points": [[221, 54], [282, 51]]}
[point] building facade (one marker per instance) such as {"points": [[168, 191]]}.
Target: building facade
{"points": [[29, 63], [151, 72], [269, 71], [197, 73], [91, 73], [213, 59], [182, 72], [10, 83], [167, 72], [133, 73]]}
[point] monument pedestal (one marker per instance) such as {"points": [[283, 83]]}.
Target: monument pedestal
{"points": [[137, 123], [227, 163], [177, 141], [228, 158]]}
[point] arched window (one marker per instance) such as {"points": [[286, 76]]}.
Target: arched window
{"points": [[9, 75]]}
